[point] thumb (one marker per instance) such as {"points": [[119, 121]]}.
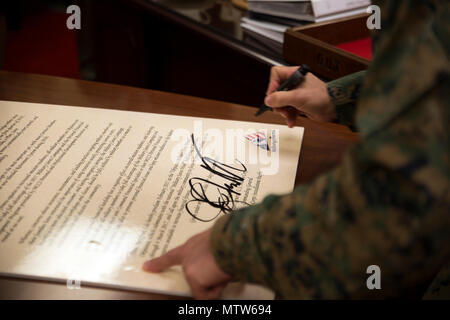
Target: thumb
{"points": [[284, 98]]}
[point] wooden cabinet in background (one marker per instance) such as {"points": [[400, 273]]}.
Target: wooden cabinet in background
{"points": [[315, 45]]}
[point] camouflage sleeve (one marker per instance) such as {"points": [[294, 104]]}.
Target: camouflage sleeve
{"points": [[343, 93], [386, 205]]}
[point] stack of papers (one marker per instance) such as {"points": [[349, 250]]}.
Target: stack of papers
{"points": [[269, 19]]}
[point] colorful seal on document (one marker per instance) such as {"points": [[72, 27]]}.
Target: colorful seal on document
{"points": [[258, 138]]}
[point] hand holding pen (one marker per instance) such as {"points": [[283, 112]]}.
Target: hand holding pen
{"points": [[309, 97]]}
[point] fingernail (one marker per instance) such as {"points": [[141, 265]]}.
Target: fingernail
{"points": [[268, 100]]}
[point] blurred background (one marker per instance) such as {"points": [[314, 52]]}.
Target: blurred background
{"points": [[190, 47], [34, 41], [217, 49]]}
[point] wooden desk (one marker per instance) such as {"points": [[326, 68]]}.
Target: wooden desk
{"points": [[323, 146]]}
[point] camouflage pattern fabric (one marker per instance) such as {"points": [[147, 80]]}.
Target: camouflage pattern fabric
{"points": [[440, 287], [344, 93], [387, 204]]}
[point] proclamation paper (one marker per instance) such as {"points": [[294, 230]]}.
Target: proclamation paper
{"points": [[87, 195]]}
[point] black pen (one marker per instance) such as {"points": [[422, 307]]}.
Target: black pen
{"points": [[292, 82]]}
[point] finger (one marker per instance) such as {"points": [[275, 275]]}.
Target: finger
{"points": [[171, 258], [273, 86], [285, 98], [207, 293], [288, 113], [291, 116], [279, 74], [214, 293], [291, 122], [196, 289], [284, 111]]}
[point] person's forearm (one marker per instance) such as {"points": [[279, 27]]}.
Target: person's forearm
{"points": [[318, 241], [379, 207], [294, 244]]}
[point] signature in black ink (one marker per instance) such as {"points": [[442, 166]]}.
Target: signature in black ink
{"points": [[225, 201]]}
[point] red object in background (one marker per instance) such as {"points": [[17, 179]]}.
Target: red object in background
{"points": [[43, 45], [362, 48]]}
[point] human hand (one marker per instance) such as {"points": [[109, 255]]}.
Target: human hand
{"points": [[202, 273], [309, 98]]}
